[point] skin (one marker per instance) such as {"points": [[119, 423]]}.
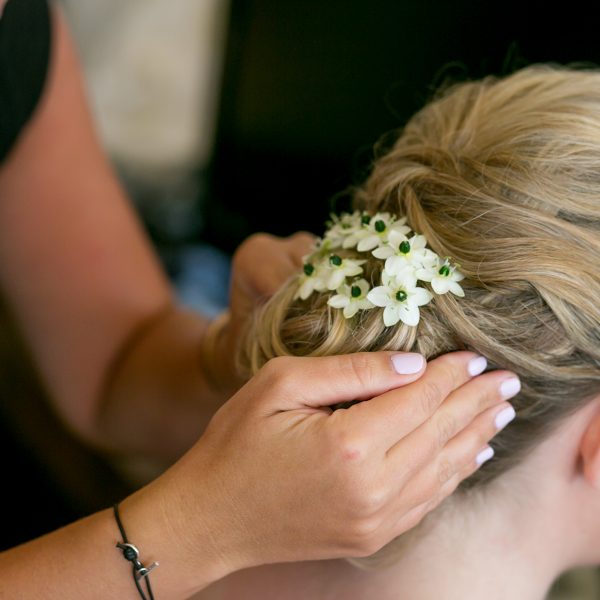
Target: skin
{"points": [[113, 347], [121, 363], [510, 540], [390, 459]]}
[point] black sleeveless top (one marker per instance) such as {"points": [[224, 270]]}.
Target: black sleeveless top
{"points": [[24, 57]]}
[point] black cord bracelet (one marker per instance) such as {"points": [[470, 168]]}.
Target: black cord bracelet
{"points": [[131, 553]]}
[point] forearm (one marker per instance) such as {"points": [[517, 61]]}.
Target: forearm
{"points": [[160, 393], [81, 561]]}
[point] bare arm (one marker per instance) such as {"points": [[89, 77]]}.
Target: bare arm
{"points": [[120, 360], [279, 476]]}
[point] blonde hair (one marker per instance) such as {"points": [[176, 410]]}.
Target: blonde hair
{"points": [[503, 175]]}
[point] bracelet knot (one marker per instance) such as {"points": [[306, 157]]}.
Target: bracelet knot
{"points": [[131, 553]]}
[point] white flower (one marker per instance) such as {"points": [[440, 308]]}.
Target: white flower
{"points": [[443, 277], [407, 260], [322, 248], [312, 279], [337, 269], [375, 231], [352, 298], [400, 300], [341, 228], [403, 255]]}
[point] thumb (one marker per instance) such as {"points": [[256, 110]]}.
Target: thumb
{"points": [[323, 381]]}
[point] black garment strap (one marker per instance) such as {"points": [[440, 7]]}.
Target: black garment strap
{"points": [[131, 553], [25, 41]]}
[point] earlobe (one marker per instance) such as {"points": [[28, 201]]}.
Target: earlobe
{"points": [[590, 452]]}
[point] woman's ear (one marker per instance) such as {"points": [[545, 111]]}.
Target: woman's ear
{"points": [[590, 452]]}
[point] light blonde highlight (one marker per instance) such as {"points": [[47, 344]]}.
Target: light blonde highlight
{"points": [[502, 175]]}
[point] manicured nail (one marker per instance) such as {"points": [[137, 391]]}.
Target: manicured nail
{"points": [[484, 455], [504, 417], [477, 365], [408, 363], [509, 388]]}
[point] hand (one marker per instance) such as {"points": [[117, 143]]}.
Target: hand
{"points": [[279, 476], [260, 266]]}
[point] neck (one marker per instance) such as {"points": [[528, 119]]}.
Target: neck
{"points": [[511, 540], [480, 555]]}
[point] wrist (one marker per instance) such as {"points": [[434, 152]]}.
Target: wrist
{"points": [[217, 356], [181, 542]]}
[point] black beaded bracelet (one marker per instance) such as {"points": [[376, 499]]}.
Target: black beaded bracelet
{"points": [[131, 553]]}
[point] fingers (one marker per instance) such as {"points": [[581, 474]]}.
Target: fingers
{"points": [[300, 244], [457, 411], [272, 260], [461, 457], [390, 417], [284, 258], [289, 253], [411, 518], [322, 381]]}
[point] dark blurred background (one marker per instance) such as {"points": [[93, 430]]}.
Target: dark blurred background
{"points": [[226, 118], [309, 86]]}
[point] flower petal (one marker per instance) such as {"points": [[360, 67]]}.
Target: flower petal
{"points": [[395, 237], [306, 289], [335, 279], [456, 289], [380, 296], [394, 265], [405, 278], [352, 269], [440, 285], [351, 310], [420, 296], [368, 243], [365, 304], [383, 252], [418, 242], [425, 274], [339, 301], [391, 315], [409, 314], [364, 286]]}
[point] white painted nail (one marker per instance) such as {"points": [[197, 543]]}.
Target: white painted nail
{"points": [[504, 417], [509, 388], [408, 363], [477, 366], [485, 455]]}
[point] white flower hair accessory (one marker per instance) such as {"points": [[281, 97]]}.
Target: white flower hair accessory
{"points": [[407, 262]]}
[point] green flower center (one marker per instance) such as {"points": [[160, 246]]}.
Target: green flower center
{"points": [[380, 226], [365, 219], [444, 270], [405, 247], [355, 292], [346, 225], [401, 295], [308, 269], [335, 260]]}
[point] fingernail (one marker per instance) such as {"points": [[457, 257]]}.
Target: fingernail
{"points": [[408, 363], [477, 366], [509, 388], [504, 417], [485, 455]]}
